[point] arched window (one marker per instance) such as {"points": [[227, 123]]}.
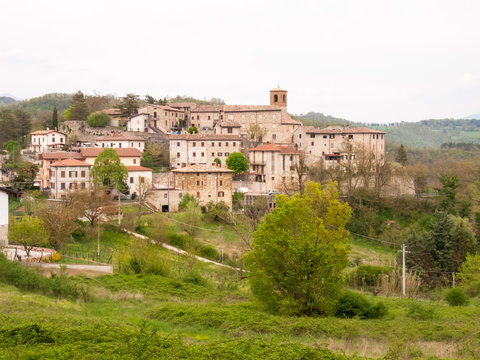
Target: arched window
{"points": [[283, 97], [275, 98]]}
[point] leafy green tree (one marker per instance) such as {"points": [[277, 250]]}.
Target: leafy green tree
{"points": [[98, 119], [186, 199], [66, 114], [23, 121], [79, 109], [55, 118], [299, 252], [150, 99], [129, 104], [190, 217], [25, 173], [448, 192], [108, 170], [217, 161], [29, 232], [237, 162], [402, 156], [156, 155], [192, 130], [469, 275]]}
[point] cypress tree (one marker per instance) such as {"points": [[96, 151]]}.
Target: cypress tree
{"points": [[402, 156], [55, 118]]}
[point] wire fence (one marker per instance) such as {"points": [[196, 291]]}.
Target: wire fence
{"points": [[86, 257]]}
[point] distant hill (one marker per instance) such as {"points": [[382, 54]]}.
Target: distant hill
{"points": [[7, 100], [474, 116], [432, 133], [45, 102]]}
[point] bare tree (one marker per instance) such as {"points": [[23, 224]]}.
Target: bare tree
{"points": [[382, 175], [301, 169], [418, 173], [143, 190], [91, 202], [255, 134]]}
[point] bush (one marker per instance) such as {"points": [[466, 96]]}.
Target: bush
{"points": [[208, 252], [192, 130], [367, 275], [186, 199], [193, 277], [420, 312], [456, 297], [351, 305], [178, 240], [98, 119]]}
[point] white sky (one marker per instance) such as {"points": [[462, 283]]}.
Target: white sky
{"points": [[370, 61]]}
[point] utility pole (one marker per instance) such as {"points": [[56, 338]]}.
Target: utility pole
{"points": [[98, 239], [403, 268], [118, 191], [453, 279], [220, 245]]}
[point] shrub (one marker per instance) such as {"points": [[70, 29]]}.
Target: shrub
{"points": [[178, 240], [420, 312], [193, 277], [456, 297], [351, 305], [187, 198], [367, 275], [192, 130], [208, 252], [98, 119]]}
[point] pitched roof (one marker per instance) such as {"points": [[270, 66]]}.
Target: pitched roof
{"points": [[202, 168], [291, 121], [340, 130], [112, 111], [45, 132], [137, 168], [207, 108], [70, 162], [59, 155], [284, 149], [181, 104], [200, 137], [162, 107], [120, 137], [278, 89], [122, 152]]}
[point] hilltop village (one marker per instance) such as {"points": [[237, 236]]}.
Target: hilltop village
{"points": [[200, 138]]}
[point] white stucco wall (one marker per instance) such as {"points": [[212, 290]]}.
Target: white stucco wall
{"points": [[3, 218]]}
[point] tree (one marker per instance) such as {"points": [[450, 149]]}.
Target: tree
{"points": [[299, 252], [66, 114], [129, 104], [186, 199], [301, 170], [237, 162], [150, 99], [156, 155], [29, 232], [98, 119], [79, 108], [60, 222], [448, 192], [23, 120], [192, 130], [25, 174], [190, 217], [418, 174], [382, 174], [91, 203], [143, 190], [217, 161], [55, 118], [255, 134], [256, 211], [108, 171], [402, 156]]}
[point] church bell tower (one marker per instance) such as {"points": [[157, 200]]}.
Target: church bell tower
{"points": [[278, 97]]}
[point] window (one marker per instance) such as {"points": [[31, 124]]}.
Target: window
{"points": [[226, 154], [198, 174], [72, 186], [221, 117], [219, 154], [213, 144], [53, 140], [208, 117], [221, 194], [332, 136], [221, 182], [198, 194], [62, 186], [166, 113], [134, 161], [193, 117], [119, 145], [178, 155], [283, 96], [194, 144], [350, 137], [229, 130], [325, 136], [198, 182], [226, 144], [312, 136], [83, 185], [203, 144], [234, 143], [194, 154], [198, 117], [62, 174], [131, 180], [154, 114], [203, 154], [299, 136], [273, 177], [83, 173], [219, 144], [165, 195], [179, 195], [213, 154], [275, 98], [61, 139], [178, 144], [312, 143], [274, 136]]}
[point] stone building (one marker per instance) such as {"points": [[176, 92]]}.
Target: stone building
{"points": [[45, 140], [128, 156], [162, 118], [205, 182], [273, 166], [68, 175], [201, 148], [334, 144], [138, 122], [119, 140]]}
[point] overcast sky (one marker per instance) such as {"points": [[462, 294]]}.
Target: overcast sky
{"points": [[369, 61]]}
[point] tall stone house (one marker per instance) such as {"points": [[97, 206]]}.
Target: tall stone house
{"points": [[69, 175], [47, 140]]}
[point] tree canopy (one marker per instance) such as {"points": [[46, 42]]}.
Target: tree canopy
{"points": [[98, 119], [237, 162], [129, 104], [29, 232], [299, 252], [79, 109], [108, 170]]}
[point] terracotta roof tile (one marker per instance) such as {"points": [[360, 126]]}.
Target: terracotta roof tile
{"points": [[340, 130], [120, 137], [226, 124], [137, 168], [45, 132], [59, 155], [243, 108], [202, 168], [112, 111], [70, 162]]}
